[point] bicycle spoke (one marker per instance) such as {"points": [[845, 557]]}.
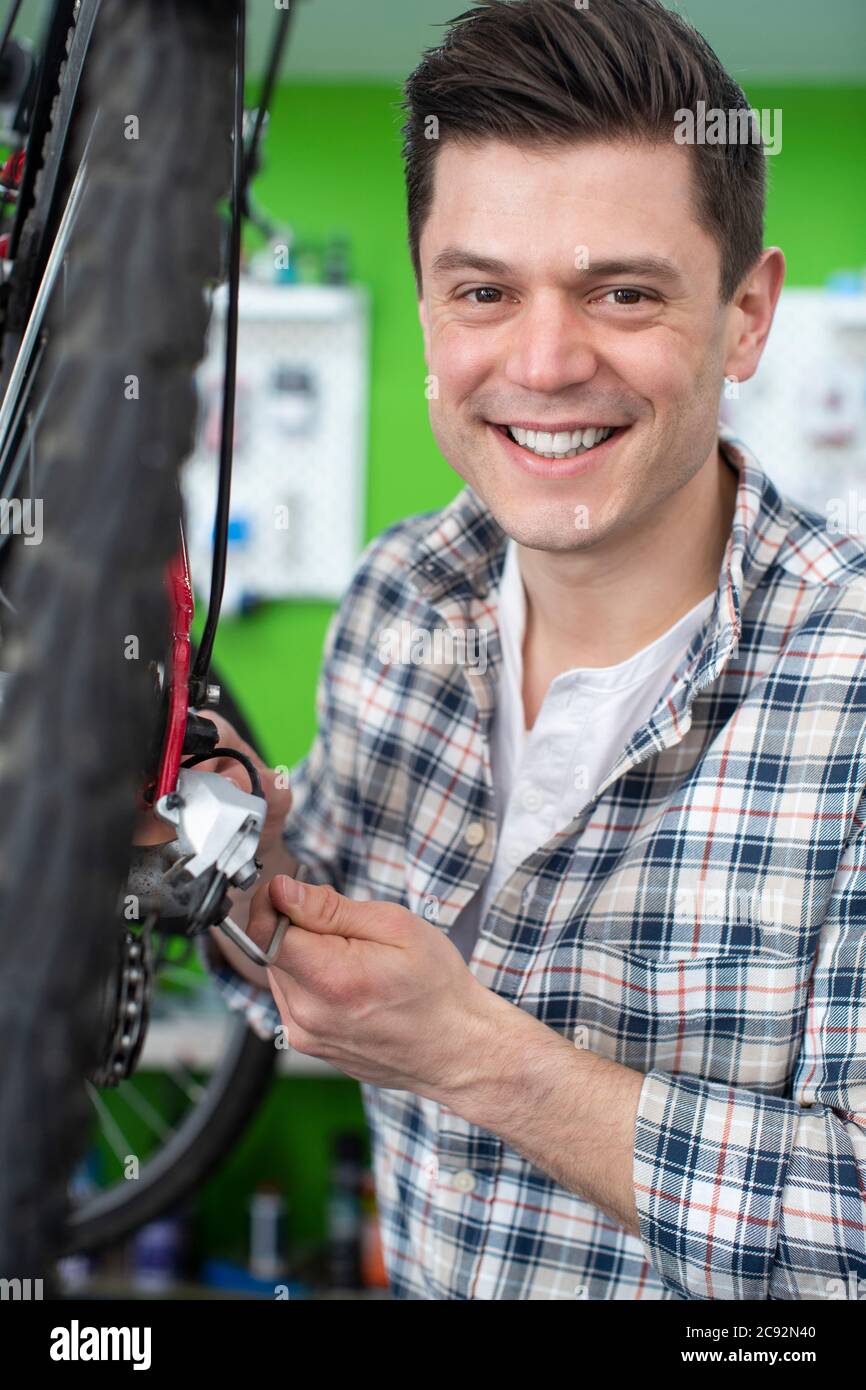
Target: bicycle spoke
{"points": [[192, 1089], [110, 1128], [144, 1110], [11, 471]]}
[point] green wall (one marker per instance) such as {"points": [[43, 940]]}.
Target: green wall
{"points": [[332, 164]]}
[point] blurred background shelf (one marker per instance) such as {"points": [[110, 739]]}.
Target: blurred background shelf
{"points": [[199, 1044], [121, 1290]]}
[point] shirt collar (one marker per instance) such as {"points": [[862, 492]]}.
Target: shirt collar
{"points": [[463, 554], [620, 676]]}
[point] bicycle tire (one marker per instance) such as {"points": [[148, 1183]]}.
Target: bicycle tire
{"points": [[206, 1136], [148, 220]]}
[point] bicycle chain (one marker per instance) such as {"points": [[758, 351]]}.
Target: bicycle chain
{"points": [[131, 1008]]}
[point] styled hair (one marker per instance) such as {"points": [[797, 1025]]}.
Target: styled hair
{"points": [[547, 73]]}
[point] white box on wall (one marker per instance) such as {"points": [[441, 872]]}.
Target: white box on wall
{"points": [[803, 413], [299, 470]]}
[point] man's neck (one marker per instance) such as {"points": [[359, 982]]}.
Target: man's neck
{"points": [[599, 607]]}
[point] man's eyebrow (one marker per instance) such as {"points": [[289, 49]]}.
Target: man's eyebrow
{"points": [[460, 258], [657, 267]]}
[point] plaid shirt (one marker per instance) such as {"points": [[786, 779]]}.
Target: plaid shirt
{"points": [[702, 920]]}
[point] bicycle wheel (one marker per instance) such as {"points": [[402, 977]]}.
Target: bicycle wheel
{"points": [[187, 1154], [78, 714]]}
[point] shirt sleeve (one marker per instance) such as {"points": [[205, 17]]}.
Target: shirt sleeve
{"points": [[742, 1195], [239, 995], [322, 828]]}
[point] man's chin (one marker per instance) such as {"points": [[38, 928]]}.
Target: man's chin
{"points": [[541, 524]]}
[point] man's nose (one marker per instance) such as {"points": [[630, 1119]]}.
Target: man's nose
{"points": [[550, 347]]}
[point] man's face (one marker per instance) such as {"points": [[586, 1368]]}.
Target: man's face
{"points": [[603, 313]]}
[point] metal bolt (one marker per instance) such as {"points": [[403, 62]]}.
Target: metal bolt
{"points": [[246, 876], [212, 695]]}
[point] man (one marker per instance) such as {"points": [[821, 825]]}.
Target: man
{"points": [[585, 811]]}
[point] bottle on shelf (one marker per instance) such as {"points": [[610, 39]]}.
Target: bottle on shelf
{"points": [[373, 1272], [344, 1212], [267, 1233]]}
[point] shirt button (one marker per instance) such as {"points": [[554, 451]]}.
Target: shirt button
{"points": [[532, 799], [464, 1181], [474, 833], [514, 856]]}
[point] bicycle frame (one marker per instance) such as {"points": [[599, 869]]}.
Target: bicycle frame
{"points": [[177, 677]]}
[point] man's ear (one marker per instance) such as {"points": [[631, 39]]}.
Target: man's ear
{"points": [[755, 302]]}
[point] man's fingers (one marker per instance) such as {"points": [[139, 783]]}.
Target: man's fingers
{"points": [[230, 768], [320, 908], [302, 955], [263, 917], [228, 737], [278, 797], [150, 830]]}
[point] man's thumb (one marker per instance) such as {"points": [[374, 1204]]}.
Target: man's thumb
{"points": [[320, 908]]}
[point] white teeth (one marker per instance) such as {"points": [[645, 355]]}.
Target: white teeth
{"points": [[562, 444]]}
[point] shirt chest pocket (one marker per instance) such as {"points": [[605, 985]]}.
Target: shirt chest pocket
{"points": [[730, 1015], [662, 907]]}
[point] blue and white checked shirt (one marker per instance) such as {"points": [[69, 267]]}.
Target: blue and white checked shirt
{"points": [[702, 920]]}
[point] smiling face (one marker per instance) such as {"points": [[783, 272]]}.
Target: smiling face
{"points": [[572, 290]]}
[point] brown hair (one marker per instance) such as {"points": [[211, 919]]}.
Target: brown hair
{"points": [[545, 73]]}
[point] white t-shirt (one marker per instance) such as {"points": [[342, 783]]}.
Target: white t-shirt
{"points": [[542, 778]]}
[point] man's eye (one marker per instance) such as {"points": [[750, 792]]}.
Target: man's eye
{"points": [[485, 290], [635, 296]]}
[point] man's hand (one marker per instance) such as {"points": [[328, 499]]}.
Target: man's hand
{"points": [[385, 997], [271, 850], [380, 993]]}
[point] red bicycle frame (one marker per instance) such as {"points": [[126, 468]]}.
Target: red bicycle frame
{"points": [[178, 669]]}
